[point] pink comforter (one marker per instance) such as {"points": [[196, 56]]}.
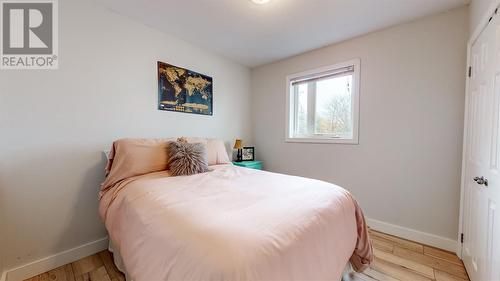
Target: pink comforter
{"points": [[234, 223]]}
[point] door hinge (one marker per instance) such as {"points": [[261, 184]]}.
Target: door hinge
{"points": [[462, 238], [470, 71]]}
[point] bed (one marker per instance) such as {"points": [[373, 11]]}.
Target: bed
{"points": [[233, 223]]}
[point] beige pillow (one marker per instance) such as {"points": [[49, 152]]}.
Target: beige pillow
{"points": [[133, 157], [194, 140], [217, 153]]}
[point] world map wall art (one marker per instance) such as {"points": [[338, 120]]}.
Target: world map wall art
{"points": [[183, 90]]}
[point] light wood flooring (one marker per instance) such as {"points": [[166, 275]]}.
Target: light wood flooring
{"points": [[395, 259]]}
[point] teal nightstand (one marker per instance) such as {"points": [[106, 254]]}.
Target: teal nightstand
{"points": [[250, 164]]}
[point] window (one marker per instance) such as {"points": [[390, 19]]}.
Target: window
{"points": [[323, 104]]}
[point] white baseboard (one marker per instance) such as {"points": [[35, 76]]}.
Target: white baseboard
{"points": [[54, 261], [413, 235]]}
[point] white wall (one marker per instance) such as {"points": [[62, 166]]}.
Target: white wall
{"points": [[406, 168], [54, 124], [478, 9]]}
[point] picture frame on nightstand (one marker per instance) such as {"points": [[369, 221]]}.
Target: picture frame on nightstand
{"points": [[248, 153]]}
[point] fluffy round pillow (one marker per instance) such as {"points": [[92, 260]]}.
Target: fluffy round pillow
{"points": [[187, 158]]}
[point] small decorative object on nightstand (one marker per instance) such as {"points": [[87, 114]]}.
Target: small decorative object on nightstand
{"points": [[238, 144], [250, 164], [248, 153]]}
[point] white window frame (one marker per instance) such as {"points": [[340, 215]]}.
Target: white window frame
{"points": [[290, 103]]}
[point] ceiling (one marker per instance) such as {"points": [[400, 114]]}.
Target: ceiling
{"points": [[253, 34]]}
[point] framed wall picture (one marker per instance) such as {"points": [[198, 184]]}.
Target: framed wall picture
{"points": [[183, 90], [248, 153]]}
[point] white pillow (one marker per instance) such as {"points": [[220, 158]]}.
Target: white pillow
{"points": [[217, 153]]}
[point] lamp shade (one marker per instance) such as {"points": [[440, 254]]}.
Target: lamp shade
{"points": [[238, 144]]}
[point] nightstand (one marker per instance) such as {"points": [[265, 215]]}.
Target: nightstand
{"points": [[250, 164]]}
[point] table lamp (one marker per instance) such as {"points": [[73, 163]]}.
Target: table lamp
{"points": [[238, 144]]}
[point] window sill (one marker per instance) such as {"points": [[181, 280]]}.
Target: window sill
{"points": [[323, 140]]}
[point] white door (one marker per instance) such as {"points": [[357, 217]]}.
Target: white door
{"points": [[481, 223]]}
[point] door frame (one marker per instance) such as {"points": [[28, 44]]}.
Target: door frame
{"points": [[485, 19]]}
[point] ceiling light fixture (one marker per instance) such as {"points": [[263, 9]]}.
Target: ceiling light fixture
{"points": [[260, 2]]}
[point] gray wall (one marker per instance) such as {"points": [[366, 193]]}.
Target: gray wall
{"points": [[406, 168], [478, 9], [54, 124]]}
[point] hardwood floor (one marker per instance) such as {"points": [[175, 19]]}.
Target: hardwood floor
{"points": [[395, 259], [98, 267], [400, 259]]}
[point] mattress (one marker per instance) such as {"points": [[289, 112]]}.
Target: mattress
{"points": [[233, 223]]}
